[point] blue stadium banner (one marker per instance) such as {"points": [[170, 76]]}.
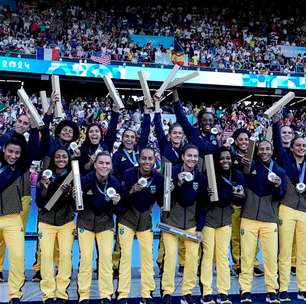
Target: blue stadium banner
{"points": [[292, 51], [95, 70], [156, 41]]}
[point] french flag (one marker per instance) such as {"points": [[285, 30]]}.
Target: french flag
{"points": [[47, 54]]}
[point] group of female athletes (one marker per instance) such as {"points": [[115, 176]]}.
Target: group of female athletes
{"points": [[268, 204]]}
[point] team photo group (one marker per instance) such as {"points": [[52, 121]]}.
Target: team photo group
{"points": [[219, 197]]}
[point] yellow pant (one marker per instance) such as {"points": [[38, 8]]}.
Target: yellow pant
{"points": [[12, 232], [26, 202], [292, 222], [145, 239], [250, 232], [190, 268], [37, 264], [216, 243], [161, 251], [51, 286], [105, 241], [235, 239]]}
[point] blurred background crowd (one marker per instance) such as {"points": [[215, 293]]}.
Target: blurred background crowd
{"points": [[240, 35]]}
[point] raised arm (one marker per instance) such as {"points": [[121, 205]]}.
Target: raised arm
{"points": [[45, 132], [34, 144], [181, 117], [110, 137], [279, 150], [32, 149], [145, 131], [159, 131]]}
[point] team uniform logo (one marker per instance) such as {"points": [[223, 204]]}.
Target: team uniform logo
{"points": [[280, 222], [152, 189], [195, 186]]}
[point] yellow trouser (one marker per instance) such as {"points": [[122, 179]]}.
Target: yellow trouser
{"points": [[12, 232], [37, 264], [50, 286], [292, 222], [105, 241], [190, 268], [161, 251], [266, 232], [25, 201], [216, 242], [235, 239], [145, 239]]}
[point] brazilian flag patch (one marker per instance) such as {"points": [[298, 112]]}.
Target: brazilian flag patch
{"points": [[280, 222], [242, 231]]}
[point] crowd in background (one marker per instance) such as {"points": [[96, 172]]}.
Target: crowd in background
{"points": [[242, 36]]}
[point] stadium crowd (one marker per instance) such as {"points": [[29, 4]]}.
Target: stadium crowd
{"points": [[244, 36]]}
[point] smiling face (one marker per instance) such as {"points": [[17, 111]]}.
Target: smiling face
{"points": [[207, 122], [146, 160], [299, 147], [94, 135], [66, 134], [22, 124], [176, 135], [129, 139], [225, 160], [190, 159], [286, 135], [265, 151], [103, 165], [61, 159], [12, 153], [242, 142]]}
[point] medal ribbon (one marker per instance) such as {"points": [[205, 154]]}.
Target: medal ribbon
{"points": [[301, 171], [133, 160]]}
